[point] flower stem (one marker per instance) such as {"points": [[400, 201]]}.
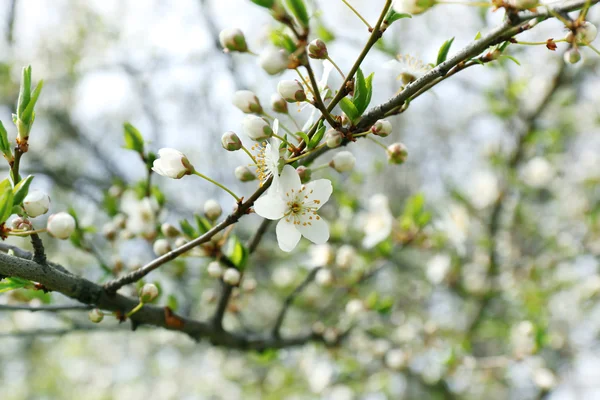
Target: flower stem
{"points": [[305, 154], [249, 154], [135, 309], [378, 142], [539, 43], [218, 184], [336, 67], [322, 166], [357, 14], [593, 48], [361, 134], [26, 233], [306, 82]]}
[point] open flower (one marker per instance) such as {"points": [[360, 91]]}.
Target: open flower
{"points": [[267, 159], [172, 164], [296, 205], [378, 221], [409, 68]]}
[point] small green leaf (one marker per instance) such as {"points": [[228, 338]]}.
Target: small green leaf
{"points": [[172, 302], [314, 141], [133, 138], [283, 40], [4, 143], [304, 136], [393, 16], [6, 200], [264, 3], [21, 190], [363, 91], [298, 9], [24, 91], [28, 114], [443, 52], [13, 283], [187, 228], [478, 36], [204, 224], [349, 108], [237, 253]]}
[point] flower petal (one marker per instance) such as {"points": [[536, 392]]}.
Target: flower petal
{"points": [[315, 230], [321, 191], [288, 180], [270, 205], [287, 235]]}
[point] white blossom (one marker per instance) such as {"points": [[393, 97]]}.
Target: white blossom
{"points": [[61, 225], [346, 256], [321, 255], [231, 276], [408, 68], [538, 172], [544, 378], [296, 206], [161, 247], [268, 159], [484, 189], [354, 307], [273, 60], [36, 203], [395, 359], [438, 267], [215, 269], [324, 277], [172, 164], [378, 221], [212, 209]]}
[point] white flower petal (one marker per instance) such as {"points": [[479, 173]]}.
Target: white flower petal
{"points": [[287, 235], [315, 230], [321, 191], [288, 180], [270, 205], [276, 126]]}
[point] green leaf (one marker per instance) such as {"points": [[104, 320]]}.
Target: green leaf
{"points": [[204, 224], [13, 283], [304, 136], [172, 302], [314, 141], [6, 200], [264, 3], [187, 228], [21, 190], [393, 16], [363, 91], [237, 253], [28, 114], [133, 138], [478, 36], [349, 108], [283, 40], [24, 91], [4, 143], [298, 9], [443, 52]]}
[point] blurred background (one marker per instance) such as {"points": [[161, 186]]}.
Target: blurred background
{"points": [[488, 285]]}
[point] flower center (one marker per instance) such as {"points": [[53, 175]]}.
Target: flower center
{"points": [[266, 165], [300, 208]]}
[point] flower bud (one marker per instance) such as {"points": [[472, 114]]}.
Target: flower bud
{"points": [[412, 6], [120, 221], [382, 128], [524, 4], [180, 242], [161, 247], [395, 359], [354, 307], [317, 49], [169, 230], [572, 56], [247, 102], [304, 173], [231, 276], [257, 128], [324, 277], [36, 203], [212, 209], [278, 104], [231, 141], [586, 33], [148, 292], [21, 224], [333, 138], [172, 164], [232, 39], [61, 225], [96, 316], [214, 269], [243, 174], [273, 60], [343, 161], [345, 257], [291, 90], [249, 285], [397, 153]]}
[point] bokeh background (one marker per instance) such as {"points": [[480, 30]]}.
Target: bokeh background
{"points": [[158, 64]]}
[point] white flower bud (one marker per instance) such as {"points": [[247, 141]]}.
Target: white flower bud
{"points": [[231, 141], [343, 161], [249, 285], [586, 33], [148, 292], [180, 242], [214, 269], [172, 164], [278, 104], [232, 39], [346, 256], [212, 209], [355, 307], [21, 224], [247, 102], [257, 128], [324, 277], [231, 276], [169, 230], [397, 153], [161, 247], [36, 203], [61, 225], [96, 316], [523, 4], [333, 138], [382, 128], [395, 359], [544, 378], [273, 60], [304, 173], [412, 6], [291, 90], [244, 174], [317, 49]]}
